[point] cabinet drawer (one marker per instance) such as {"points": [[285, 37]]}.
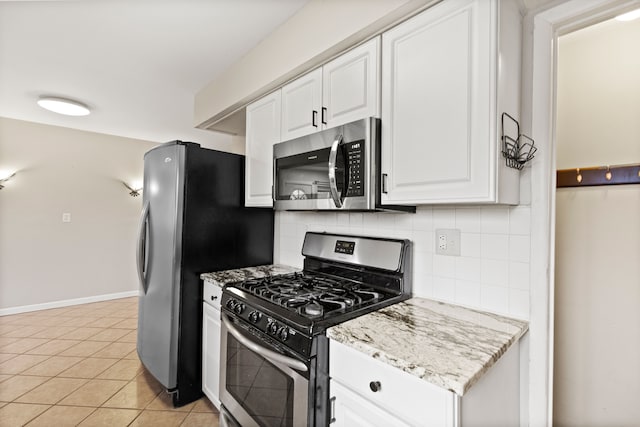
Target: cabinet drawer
{"points": [[408, 397], [212, 294]]}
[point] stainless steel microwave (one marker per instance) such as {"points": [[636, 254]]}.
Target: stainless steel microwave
{"points": [[335, 169]]}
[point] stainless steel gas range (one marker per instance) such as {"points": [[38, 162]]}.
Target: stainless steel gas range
{"points": [[274, 351]]}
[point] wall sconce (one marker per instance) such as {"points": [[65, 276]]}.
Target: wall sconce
{"points": [[4, 177], [133, 192]]}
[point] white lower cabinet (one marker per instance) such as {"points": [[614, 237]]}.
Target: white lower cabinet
{"points": [[368, 392], [211, 343], [407, 399], [352, 410]]}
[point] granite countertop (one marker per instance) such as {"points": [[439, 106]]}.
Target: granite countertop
{"points": [[221, 278], [447, 345]]}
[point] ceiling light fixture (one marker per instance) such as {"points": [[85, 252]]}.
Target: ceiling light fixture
{"points": [[629, 16], [64, 106]]}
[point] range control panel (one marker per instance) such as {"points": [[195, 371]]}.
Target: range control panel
{"points": [[275, 329], [344, 247], [355, 167]]}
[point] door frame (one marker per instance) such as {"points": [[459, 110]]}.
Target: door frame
{"points": [[541, 29]]}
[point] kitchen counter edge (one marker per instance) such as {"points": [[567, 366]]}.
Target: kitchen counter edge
{"points": [[447, 345], [221, 278]]}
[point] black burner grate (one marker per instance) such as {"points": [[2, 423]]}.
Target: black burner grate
{"points": [[312, 295]]}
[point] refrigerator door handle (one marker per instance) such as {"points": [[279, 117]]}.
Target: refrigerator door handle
{"points": [[141, 255]]}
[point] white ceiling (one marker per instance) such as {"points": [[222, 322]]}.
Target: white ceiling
{"points": [[136, 63]]}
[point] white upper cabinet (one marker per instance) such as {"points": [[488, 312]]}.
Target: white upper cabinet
{"points": [[442, 94], [343, 90], [351, 85], [301, 104], [263, 130]]}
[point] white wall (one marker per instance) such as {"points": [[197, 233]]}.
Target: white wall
{"points": [[599, 96], [44, 260], [318, 31], [492, 272], [597, 275]]}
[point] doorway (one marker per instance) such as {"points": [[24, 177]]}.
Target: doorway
{"points": [[542, 27], [596, 378]]}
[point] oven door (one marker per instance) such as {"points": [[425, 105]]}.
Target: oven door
{"points": [[259, 385]]}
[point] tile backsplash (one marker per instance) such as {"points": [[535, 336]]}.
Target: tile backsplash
{"points": [[491, 273]]}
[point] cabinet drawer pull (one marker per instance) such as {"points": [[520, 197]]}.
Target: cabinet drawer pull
{"points": [[375, 386], [332, 414], [384, 183], [323, 116], [213, 297], [314, 118]]}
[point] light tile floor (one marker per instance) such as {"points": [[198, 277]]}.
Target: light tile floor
{"points": [[78, 366]]}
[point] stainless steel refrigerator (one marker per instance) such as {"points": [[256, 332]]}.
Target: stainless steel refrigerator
{"points": [[193, 221]]}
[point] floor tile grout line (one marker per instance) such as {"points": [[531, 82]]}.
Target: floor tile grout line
{"points": [[126, 319]]}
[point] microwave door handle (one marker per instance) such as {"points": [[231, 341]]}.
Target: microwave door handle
{"points": [[333, 156], [262, 351]]}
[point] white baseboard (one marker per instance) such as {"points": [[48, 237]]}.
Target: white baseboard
{"points": [[66, 303]]}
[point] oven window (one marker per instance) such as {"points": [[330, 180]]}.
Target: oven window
{"points": [[263, 390]]}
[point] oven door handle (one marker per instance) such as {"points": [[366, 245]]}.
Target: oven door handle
{"points": [[333, 156], [262, 351]]}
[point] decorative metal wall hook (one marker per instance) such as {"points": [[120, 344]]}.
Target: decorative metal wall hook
{"points": [[608, 174], [519, 150], [578, 175]]}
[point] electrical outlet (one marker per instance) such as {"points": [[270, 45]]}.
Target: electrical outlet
{"points": [[66, 217], [442, 242], [448, 242]]}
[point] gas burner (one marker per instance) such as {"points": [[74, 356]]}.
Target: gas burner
{"points": [[313, 309]]}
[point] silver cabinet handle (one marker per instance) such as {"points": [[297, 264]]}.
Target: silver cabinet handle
{"points": [[262, 351], [141, 255], [332, 415], [333, 156]]}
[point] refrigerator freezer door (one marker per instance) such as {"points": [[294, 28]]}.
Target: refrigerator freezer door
{"points": [[159, 300]]}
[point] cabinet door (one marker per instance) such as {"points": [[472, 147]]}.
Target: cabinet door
{"points": [[263, 130], [438, 105], [407, 397], [351, 85], [352, 410], [301, 103], [211, 354]]}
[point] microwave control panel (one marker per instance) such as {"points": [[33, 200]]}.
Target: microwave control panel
{"points": [[355, 168]]}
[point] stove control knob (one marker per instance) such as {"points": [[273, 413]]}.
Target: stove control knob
{"points": [[231, 304], [255, 316], [283, 333], [272, 328], [239, 308]]}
